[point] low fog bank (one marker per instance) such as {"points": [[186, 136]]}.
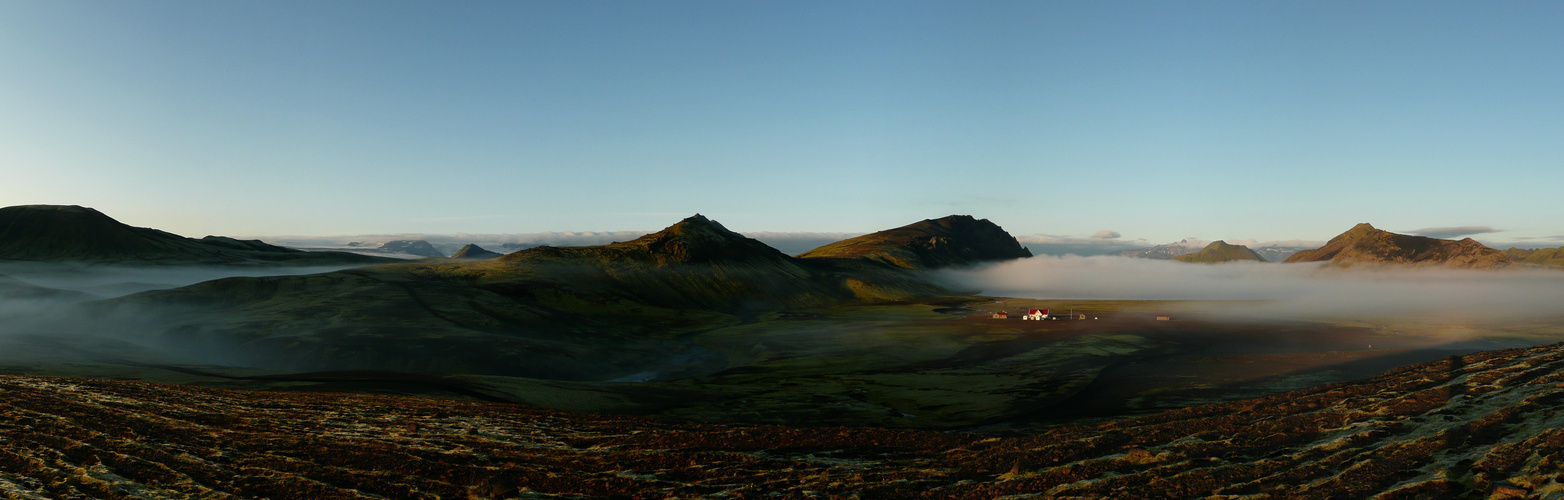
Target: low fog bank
{"points": [[52, 313], [41, 331], [1293, 291], [108, 281]]}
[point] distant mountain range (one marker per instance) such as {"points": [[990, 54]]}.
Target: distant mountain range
{"points": [[1538, 257], [1365, 245], [80, 234], [1186, 246]]}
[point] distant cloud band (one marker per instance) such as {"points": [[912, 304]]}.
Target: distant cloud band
{"points": [[1453, 231]]}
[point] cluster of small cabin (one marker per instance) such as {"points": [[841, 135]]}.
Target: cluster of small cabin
{"points": [[1034, 314], [1039, 315], [1042, 314]]}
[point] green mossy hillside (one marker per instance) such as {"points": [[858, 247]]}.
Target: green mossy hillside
{"points": [[1552, 257], [1220, 251]]}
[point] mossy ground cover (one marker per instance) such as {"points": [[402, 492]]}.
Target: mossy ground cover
{"points": [[1484, 425]]}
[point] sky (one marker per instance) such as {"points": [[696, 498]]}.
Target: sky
{"points": [[1152, 121]]}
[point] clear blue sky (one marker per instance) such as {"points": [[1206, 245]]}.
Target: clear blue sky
{"points": [[1157, 120]]}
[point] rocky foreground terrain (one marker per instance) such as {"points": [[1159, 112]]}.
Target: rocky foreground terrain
{"points": [[1485, 425]]}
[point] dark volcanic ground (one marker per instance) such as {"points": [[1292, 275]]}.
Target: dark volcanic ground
{"points": [[1478, 426]]}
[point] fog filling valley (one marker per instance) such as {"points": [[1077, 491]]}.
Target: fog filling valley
{"points": [[1282, 291], [46, 314], [50, 311]]}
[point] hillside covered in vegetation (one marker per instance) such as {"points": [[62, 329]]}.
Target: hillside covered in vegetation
{"points": [[1465, 427]]}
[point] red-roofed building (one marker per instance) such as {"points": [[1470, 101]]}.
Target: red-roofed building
{"points": [[1036, 314]]}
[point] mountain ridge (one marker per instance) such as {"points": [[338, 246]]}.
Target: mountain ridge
{"points": [[955, 240], [1365, 244], [76, 233], [1550, 257]]}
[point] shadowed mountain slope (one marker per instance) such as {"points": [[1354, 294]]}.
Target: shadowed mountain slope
{"points": [[1363, 244], [581, 313], [950, 241], [1220, 251], [473, 251], [74, 233]]}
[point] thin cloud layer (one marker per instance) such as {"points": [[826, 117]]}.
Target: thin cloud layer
{"points": [[1453, 231], [1047, 244], [1287, 290]]}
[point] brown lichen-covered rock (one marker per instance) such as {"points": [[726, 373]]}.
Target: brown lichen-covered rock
{"points": [[1507, 490], [1022, 466]]}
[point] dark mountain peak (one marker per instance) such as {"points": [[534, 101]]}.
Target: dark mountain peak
{"points": [[54, 214], [698, 239], [699, 222], [77, 233], [473, 251], [71, 232], [930, 243], [420, 248]]}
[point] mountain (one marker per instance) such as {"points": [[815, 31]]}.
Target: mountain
{"points": [[473, 251], [1542, 256], [577, 313], [420, 248], [1163, 252], [950, 241], [1277, 254], [1220, 251], [1186, 246], [74, 233], [1363, 244]]}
